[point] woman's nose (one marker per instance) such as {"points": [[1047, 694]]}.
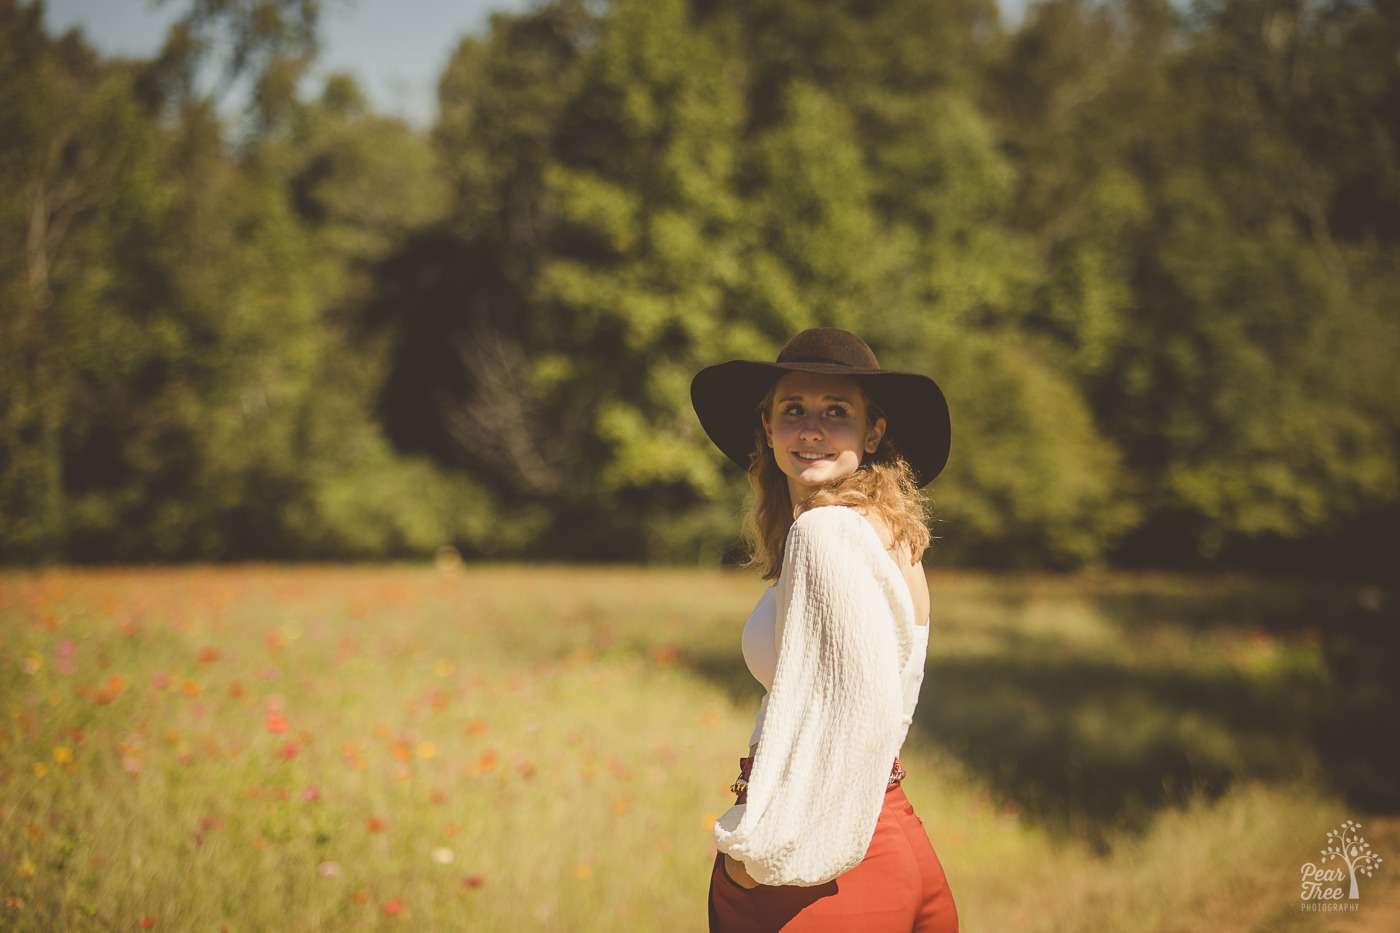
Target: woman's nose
{"points": [[810, 429]]}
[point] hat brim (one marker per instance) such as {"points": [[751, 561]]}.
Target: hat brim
{"points": [[726, 395]]}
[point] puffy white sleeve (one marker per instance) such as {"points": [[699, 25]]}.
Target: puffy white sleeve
{"points": [[834, 717]]}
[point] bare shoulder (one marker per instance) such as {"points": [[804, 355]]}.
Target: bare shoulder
{"points": [[913, 570], [917, 580], [881, 529]]}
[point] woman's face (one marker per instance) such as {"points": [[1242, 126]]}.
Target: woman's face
{"points": [[819, 430]]}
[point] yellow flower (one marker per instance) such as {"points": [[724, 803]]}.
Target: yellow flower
{"points": [[62, 755], [27, 869]]}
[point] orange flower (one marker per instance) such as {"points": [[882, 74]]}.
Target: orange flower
{"points": [[476, 726], [489, 760], [147, 922], [393, 908], [402, 751], [359, 897], [209, 655], [277, 724], [376, 825]]}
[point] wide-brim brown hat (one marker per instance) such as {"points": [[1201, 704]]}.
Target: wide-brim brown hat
{"points": [[726, 397]]}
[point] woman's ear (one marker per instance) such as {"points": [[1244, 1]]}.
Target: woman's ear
{"points": [[874, 436], [767, 428]]}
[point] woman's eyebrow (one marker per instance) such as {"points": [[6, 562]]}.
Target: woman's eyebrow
{"points": [[825, 398]]}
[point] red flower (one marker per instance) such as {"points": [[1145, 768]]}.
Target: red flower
{"points": [[276, 723], [473, 881], [288, 751], [392, 908]]}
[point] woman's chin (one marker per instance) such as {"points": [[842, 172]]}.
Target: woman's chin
{"points": [[823, 473]]}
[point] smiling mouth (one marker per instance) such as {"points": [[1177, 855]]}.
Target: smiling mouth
{"points": [[810, 456]]}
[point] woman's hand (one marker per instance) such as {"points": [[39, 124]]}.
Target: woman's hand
{"points": [[738, 873]]}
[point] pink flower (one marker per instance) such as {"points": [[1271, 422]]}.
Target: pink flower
{"points": [[310, 793], [393, 908]]}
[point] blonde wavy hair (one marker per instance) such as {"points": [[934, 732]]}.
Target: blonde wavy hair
{"points": [[884, 486]]}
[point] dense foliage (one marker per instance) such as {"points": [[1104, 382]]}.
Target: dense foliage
{"points": [[1152, 255]]}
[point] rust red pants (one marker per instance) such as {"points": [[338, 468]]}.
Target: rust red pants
{"points": [[898, 886]]}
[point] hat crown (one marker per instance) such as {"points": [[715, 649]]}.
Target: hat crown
{"points": [[829, 345]]}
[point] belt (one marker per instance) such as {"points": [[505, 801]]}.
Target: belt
{"points": [[740, 787]]}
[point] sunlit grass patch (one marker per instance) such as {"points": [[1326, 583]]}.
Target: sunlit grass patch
{"points": [[412, 748]]}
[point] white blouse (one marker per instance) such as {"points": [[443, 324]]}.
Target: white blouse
{"points": [[760, 647], [846, 670]]}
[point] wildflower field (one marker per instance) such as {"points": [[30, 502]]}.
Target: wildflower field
{"points": [[461, 748]]}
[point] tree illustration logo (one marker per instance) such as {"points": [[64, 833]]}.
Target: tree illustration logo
{"points": [[1347, 846]]}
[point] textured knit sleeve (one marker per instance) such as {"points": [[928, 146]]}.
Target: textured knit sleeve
{"points": [[834, 717]]}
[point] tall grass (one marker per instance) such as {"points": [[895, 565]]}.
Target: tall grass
{"points": [[263, 748]]}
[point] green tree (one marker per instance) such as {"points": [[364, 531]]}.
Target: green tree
{"points": [[641, 261], [82, 210], [457, 300], [1184, 186]]}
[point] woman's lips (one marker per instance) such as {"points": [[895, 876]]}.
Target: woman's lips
{"points": [[811, 456]]}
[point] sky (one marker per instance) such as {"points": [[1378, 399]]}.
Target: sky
{"points": [[396, 49]]}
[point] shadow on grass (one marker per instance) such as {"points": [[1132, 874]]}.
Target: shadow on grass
{"points": [[1265, 682]]}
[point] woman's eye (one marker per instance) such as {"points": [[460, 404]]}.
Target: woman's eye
{"points": [[836, 411], [793, 410]]}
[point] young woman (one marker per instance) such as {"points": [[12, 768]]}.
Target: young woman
{"points": [[822, 837]]}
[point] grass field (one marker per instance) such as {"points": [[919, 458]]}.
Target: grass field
{"points": [[451, 748]]}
